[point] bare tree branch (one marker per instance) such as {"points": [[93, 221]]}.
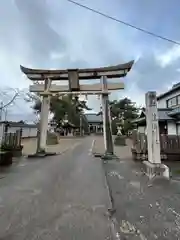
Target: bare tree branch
{"points": [[11, 101]]}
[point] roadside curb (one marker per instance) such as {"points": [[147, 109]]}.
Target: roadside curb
{"points": [[114, 224]]}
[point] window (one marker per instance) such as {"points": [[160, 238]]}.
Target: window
{"points": [[178, 129], [178, 99], [172, 102]]}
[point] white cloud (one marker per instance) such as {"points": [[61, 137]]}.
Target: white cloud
{"points": [[169, 57], [48, 37], [57, 56]]}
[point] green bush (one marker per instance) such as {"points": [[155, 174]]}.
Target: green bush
{"points": [[5, 158], [9, 147], [16, 151]]}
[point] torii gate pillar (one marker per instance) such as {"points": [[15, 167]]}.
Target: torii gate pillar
{"points": [[108, 142], [44, 122], [41, 146]]}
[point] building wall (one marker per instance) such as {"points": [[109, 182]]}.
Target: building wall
{"points": [[29, 132], [162, 102], [97, 127], [26, 132], [171, 127], [164, 128], [141, 129], [1, 131], [178, 128]]}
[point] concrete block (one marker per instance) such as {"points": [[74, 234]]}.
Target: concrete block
{"points": [[156, 169]]}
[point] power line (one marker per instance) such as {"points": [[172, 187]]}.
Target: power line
{"points": [[125, 23]]}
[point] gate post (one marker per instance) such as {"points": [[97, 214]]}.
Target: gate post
{"points": [[108, 142], [41, 143], [44, 123]]}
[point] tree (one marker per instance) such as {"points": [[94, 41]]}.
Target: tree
{"points": [[122, 111], [122, 114], [67, 105]]}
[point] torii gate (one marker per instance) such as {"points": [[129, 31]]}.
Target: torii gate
{"points": [[104, 88]]}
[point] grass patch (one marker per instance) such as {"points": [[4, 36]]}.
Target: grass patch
{"points": [[177, 171]]}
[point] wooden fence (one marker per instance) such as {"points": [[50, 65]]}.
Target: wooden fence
{"points": [[170, 146], [12, 139]]}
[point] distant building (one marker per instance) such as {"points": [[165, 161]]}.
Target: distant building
{"points": [[95, 122], [164, 121], [168, 112], [28, 130]]}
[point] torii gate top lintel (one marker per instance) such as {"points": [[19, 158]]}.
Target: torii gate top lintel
{"points": [[116, 71]]}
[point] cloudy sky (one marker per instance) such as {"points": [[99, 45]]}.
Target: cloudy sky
{"points": [[59, 34]]}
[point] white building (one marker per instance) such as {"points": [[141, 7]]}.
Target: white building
{"points": [[168, 112], [28, 130], [171, 101]]}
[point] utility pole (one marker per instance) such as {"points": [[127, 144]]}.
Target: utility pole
{"points": [[5, 114], [1, 111]]}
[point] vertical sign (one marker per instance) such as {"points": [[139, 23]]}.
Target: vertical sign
{"points": [[152, 128]]}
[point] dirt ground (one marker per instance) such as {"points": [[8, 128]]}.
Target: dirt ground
{"points": [[124, 152], [120, 151], [29, 145]]}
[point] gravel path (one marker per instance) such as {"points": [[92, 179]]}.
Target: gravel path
{"points": [[64, 145], [143, 209]]}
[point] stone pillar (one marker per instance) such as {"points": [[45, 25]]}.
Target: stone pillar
{"points": [[44, 122], [152, 128], [108, 142], [153, 166], [44, 116]]}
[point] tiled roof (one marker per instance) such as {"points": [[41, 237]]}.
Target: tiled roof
{"points": [[93, 117], [19, 124], [163, 115], [176, 87]]}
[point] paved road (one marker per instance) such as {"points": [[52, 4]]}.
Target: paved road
{"points": [[62, 197]]}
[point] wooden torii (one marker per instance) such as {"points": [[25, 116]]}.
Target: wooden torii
{"points": [[42, 84]]}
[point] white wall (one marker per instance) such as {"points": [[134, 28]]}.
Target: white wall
{"points": [[29, 132], [13, 129], [26, 132], [171, 127], [141, 129], [162, 102], [1, 131]]}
